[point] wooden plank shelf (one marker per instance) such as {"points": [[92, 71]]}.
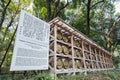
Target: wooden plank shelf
{"points": [[87, 51], [78, 58], [62, 42], [62, 55], [77, 47]]}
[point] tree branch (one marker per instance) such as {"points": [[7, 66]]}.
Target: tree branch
{"points": [[113, 25], [97, 3], [61, 8], [11, 21], [7, 49], [3, 14], [48, 2]]}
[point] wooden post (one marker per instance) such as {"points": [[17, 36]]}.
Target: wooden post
{"points": [[96, 56], [55, 49], [84, 57], [91, 61], [73, 54]]}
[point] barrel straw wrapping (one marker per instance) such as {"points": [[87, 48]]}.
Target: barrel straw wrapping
{"points": [[66, 50], [66, 37], [66, 63], [77, 53], [94, 57], [100, 65], [76, 42], [107, 65], [59, 48], [87, 55], [59, 34], [78, 64], [92, 50], [59, 63], [80, 43], [98, 57], [94, 65], [104, 65], [90, 62], [87, 64], [86, 46]]}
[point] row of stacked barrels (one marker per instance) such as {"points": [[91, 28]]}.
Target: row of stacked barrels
{"points": [[63, 49], [66, 37], [90, 56], [66, 63], [94, 64], [63, 35], [61, 62], [79, 64], [66, 50], [77, 42], [78, 53]]}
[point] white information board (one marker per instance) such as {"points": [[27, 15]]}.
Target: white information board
{"points": [[31, 47]]}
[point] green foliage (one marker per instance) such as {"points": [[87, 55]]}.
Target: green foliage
{"points": [[39, 9], [43, 76], [43, 13], [98, 75], [5, 77], [102, 21]]}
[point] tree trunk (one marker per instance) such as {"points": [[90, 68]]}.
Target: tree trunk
{"points": [[3, 13], [88, 18], [48, 5]]}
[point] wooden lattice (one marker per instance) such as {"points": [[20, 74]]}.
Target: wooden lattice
{"points": [[71, 51]]}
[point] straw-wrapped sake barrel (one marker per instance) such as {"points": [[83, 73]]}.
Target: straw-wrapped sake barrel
{"points": [[100, 65], [94, 57], [98, 58], [76, 43], [94, 64], [59, 63], [65, 38], [59, 35], [86, 47], [66, 63], [87, 64], [52, 31], [65, 50], [77, 53], [78, 64], [59, 48], [87, 56], [103, 65], [90, 64]]}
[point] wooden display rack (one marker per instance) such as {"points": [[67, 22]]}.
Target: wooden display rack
{"points": [[72, 52]]}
